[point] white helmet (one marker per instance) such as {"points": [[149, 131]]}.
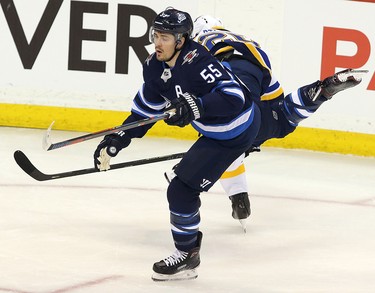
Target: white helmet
{"points": [[206, 22]]}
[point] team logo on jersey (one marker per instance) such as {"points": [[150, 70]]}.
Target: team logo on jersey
{"points": [[275, 116], [190, 56]]}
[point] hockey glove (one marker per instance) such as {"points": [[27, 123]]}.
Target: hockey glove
{"points": [[188, 108], [109, 147]]}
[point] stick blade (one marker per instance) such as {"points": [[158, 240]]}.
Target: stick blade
{"points": [[23, 162], [47, 142], [28, 167]]}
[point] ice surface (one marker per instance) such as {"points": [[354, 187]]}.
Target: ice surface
{"points": [[312, 227]]}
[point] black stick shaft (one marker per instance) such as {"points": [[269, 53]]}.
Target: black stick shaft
{"points": [[26, 165]]}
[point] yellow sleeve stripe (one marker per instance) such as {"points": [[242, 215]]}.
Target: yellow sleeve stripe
{"points": [[272, 95], [251, 48], [224, 49], [234, 173], [257, 55]]}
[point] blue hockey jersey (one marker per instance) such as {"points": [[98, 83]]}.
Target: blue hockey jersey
{"points": [[227, 112]]}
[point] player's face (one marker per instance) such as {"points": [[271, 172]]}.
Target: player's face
{"points": [[164, 45]]}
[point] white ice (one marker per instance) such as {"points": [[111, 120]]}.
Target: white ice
{"points": [[312, 227]]}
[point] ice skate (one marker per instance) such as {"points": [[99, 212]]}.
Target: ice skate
{"points": [[241, 208], [338, 82], [179, 266]]}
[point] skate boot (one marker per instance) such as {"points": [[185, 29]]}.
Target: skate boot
{"points": [[180, 265], [336, 83], [241, 208]]}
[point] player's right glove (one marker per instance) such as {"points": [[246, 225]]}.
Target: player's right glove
{"points": [[188, 108], [109, 147]]}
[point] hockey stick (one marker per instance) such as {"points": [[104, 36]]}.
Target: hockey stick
{"points": [[25, 164], [48, 145]]}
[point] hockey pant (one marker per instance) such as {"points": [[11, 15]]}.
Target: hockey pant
{"points": [[199, 169]]}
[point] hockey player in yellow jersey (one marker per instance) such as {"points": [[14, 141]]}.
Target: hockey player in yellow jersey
{"points": [[281, 114]]}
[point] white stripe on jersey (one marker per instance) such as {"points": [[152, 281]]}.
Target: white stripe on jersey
{"points": [[135, 108], [154, 106], [234, 92], [297, 100], [224, 130]]}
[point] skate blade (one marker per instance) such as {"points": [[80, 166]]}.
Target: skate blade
{"points": [[243, 224], [181, 276]]}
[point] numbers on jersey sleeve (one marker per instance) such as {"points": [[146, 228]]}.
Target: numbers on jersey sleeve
{"points": [[209, 39], [210, 73]]}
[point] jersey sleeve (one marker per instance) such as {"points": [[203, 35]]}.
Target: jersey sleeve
{"points": [[146, 103], [220, 93]]}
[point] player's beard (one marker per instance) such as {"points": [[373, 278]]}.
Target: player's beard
{"points": [[162, 56]]}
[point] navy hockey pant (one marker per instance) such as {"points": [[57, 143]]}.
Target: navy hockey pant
{"points": [[200, 168]]}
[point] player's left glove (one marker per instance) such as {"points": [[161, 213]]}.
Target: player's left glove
{"points": [[188, 108], [109, 147]]}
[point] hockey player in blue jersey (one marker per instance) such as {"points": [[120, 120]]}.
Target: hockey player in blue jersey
{"points": [[182, 77], [280, 114]]}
